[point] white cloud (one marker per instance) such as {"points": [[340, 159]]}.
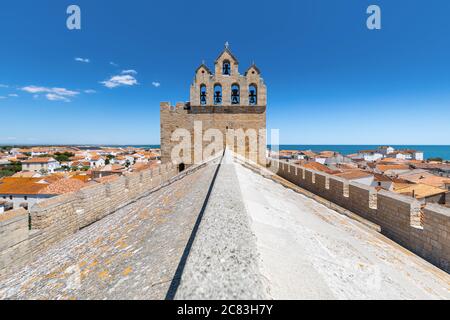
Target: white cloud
{"points": [[129, 72], [52, 94], [13, 95], [34, 89], [90, 91], [84, 60], [113, 64], [55, 97], [156, 84], [120, 80]]}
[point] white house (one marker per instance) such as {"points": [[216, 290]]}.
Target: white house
{"points": [[403, 155], [386, 150], [97, 162], [370, 155], [40, 164], [22, 192], [320, 159], [409, 155], [418, 155]]}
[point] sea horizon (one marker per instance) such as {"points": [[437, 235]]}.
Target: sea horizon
{"points": [[430, 151]]}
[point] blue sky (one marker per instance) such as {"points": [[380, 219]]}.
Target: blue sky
{"points": [[330, 80]]}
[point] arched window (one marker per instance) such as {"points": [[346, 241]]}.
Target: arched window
{"points": [[226, 68], [203, 95], [235, 94], [252, 95], [217, 94]]}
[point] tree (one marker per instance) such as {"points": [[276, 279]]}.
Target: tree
{"points": [[437, 159], [10, 169], [63, 157]]}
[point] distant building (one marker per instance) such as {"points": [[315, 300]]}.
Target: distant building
{"points": [[358, 176], [392, 169], [319, 167], [40, 164], [97, 162], [26, 192], [370, 155], [408, 155], [424, 193], [108, 170], [424, 177], [386, 150]]}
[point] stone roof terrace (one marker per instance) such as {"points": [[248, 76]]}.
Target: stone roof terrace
{"points": [[227, 232]]}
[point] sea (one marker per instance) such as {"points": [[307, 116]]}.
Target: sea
{"points": [[429, 151]]}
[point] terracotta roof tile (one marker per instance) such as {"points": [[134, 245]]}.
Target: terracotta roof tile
{"points": [[420, 190], [39, 160], [354, 174], [318, 167], [63, 186]]}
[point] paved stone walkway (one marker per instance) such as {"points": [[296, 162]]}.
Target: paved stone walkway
{"points": [[131, 254], [311, 252]]}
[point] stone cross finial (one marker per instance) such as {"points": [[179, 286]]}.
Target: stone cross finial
{"points": [[227, 45]]}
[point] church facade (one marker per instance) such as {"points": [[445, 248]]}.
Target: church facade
{"points": [[226, 101]]}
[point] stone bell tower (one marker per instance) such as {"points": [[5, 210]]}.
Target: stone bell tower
{"points": [[224, 100]]}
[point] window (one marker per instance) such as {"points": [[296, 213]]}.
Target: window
{"points": [[10, 197], [252, 95], [217, 94], [203, 95], [226, 68], [235, 94], [25, 198]]}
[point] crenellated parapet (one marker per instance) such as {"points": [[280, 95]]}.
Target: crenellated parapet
{"points": [[24, 235], [425, 230]]}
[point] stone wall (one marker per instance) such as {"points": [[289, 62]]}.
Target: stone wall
{"points": [[423, 230], [222, 118], [24, 235], [14, 242]]}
